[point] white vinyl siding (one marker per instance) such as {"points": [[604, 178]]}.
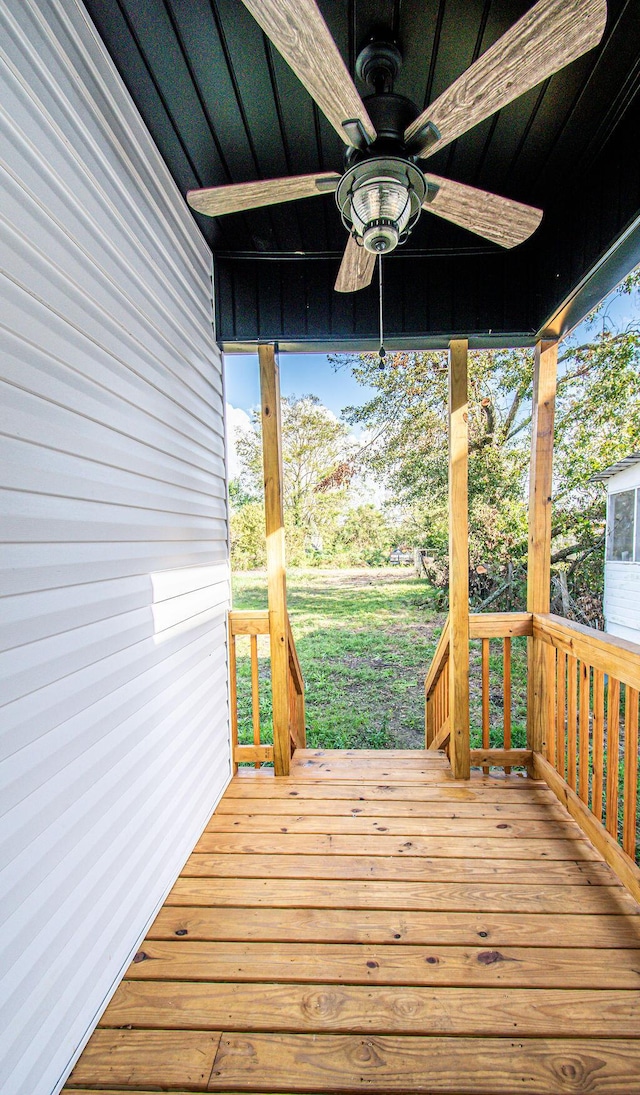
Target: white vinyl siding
{"points": [[622, 600], [114, 579], [622, 576]]}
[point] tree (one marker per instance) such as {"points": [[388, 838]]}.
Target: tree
{"points": [[597, 422], [364, 537], [248, 540], [317, 468]]}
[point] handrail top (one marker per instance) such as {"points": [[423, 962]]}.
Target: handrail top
{"points": [[439, 658], [499, 625], [294, 663], [620, 658], [249, 622], [548, 619]]}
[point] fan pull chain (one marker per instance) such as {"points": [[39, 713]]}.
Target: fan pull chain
{"points": [[382, 353]]}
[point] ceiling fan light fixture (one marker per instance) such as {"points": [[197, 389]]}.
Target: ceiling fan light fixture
{"points": [[380, 200]]}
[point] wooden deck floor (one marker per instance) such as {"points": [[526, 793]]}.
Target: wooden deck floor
{"points": [[369, 923]]}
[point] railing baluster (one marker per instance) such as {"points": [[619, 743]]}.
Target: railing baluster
{"points": [[506, 694], [572, 762], [598, 742], [630, 771], [583, 785], [551, 734], [613, 749], [485, 698], [429, 731], [255, 692], [561, 700], [605, 805], [233, 694]]}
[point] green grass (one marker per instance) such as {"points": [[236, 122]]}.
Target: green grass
{"points": [[365, 639]]}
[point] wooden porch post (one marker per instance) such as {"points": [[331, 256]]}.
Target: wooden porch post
{"points": [[276, 568], [540, 686], [458, 560]]}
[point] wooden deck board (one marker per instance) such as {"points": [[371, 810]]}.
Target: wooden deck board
{"points": [[503, 826], [554, 844], [332, 809], [481, 790], [461, 896], [368, 925], [376, 1009], [545, 967], [435, 1065], [475, 866], [337, 925]]}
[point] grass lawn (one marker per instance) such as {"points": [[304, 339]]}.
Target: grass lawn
{"points": [[365, 639]]}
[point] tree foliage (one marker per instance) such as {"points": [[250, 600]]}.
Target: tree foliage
{"points": [[321, 523], [597, 423]]}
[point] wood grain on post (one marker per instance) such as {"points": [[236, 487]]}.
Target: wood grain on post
{"points": [[540, 706], [459, 560], [276, 572]]}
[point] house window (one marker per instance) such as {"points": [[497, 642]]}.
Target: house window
{"points": [[620, 540]]}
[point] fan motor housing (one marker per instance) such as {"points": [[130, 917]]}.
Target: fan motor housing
{"points": [[391, 114]]}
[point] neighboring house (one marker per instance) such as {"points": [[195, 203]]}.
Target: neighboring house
{"points": [[622, 565], [401, 557]]}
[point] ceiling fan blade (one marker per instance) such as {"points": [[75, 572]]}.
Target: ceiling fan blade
{"points": [[500, 220], [356, 268], [217, 200], [301, 35], [551, 35]]}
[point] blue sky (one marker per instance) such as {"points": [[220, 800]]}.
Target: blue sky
{"points": [[300, 374]]}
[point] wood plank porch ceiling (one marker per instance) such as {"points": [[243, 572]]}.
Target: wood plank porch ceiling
{"points": [[370, 923]]}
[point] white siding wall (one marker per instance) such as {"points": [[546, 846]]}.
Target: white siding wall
{"points": [[114, 741], [622, 580], [622, 600]]}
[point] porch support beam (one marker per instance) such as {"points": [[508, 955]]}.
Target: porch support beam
{"points": [[540, 689], [276, 566], [459, 560]]}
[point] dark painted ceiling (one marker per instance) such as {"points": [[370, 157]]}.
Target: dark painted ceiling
{"points": [[224, 107]]}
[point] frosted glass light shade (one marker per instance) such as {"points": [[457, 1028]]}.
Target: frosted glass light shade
{"points": [[381, 199]]}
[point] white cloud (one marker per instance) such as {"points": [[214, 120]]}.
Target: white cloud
{"points": [[236, 419]]}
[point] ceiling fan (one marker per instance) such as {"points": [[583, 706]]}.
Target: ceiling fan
{"points": [[384, 189]]}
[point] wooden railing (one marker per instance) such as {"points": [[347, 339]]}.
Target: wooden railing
{"points": [[589, 755], [582, 722], [252, 624], [436, 695], [487, 627], [497, 627]]}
